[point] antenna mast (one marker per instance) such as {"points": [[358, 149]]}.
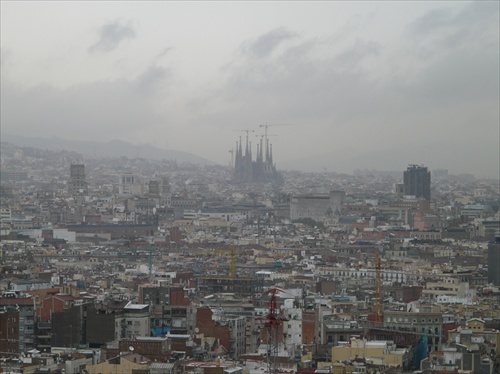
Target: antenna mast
{"points": [[272, 324]]}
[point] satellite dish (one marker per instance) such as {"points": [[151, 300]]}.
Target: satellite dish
{"points": [[131, 349], [197, 330]]}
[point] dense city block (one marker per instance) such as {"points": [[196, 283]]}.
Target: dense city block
{"points": [[130, 265]]}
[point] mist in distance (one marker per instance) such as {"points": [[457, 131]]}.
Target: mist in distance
{"points": [[363, 85]]}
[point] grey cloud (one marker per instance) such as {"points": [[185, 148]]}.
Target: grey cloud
{"points": [[268, 42], [164, 52], [350, 58], [430, 22], [296, 76], [478, 13], [440, 29], [336, 103], [152, 81], [111, 35], [104, 109], [450, 45], [333, 103], [349, 27], [295, 87]]}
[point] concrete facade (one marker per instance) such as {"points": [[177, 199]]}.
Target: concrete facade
{"points": [[316, 206]]}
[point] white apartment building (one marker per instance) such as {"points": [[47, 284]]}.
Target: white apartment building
{"points": [[134, 321], [292, 329]]}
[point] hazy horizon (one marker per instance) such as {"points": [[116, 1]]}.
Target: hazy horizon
{"points": [[363, 85]]}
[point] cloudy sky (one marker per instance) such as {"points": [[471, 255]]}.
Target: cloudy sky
{"points": [[362, 84]]}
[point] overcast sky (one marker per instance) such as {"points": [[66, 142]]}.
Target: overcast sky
{"points": [[363, 84]]}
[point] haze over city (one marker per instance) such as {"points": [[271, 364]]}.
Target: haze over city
{"points": [[362, 84]]}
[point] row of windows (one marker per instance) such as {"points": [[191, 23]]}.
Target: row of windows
{"points": [[414, 320], [427, 330], [136, 323]]}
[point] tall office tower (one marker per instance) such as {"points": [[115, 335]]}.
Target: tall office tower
{"points": [[494, 261], [77, 183], [417, 181]]}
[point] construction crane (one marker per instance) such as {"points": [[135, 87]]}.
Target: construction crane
{"points": [[266, 126], [379, 308], [151, 249], [262, 144], [262, 136], [232, 256], [232, 264], [247, 131]]}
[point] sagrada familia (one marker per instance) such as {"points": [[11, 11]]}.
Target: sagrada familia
{"points": [[262, 170]]}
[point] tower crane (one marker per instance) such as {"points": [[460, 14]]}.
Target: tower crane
{"points": [[232, 265], [247, 131], [152, 248], [231, 251], [266, 126], [262, 136], [379, 308]]}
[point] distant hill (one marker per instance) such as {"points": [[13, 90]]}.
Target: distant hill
{"points": [[114, 148]]}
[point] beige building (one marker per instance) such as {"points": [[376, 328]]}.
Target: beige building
{"points": [[423, 319], [475, 333], [123, 364], [374, 352], [449, 290]]}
